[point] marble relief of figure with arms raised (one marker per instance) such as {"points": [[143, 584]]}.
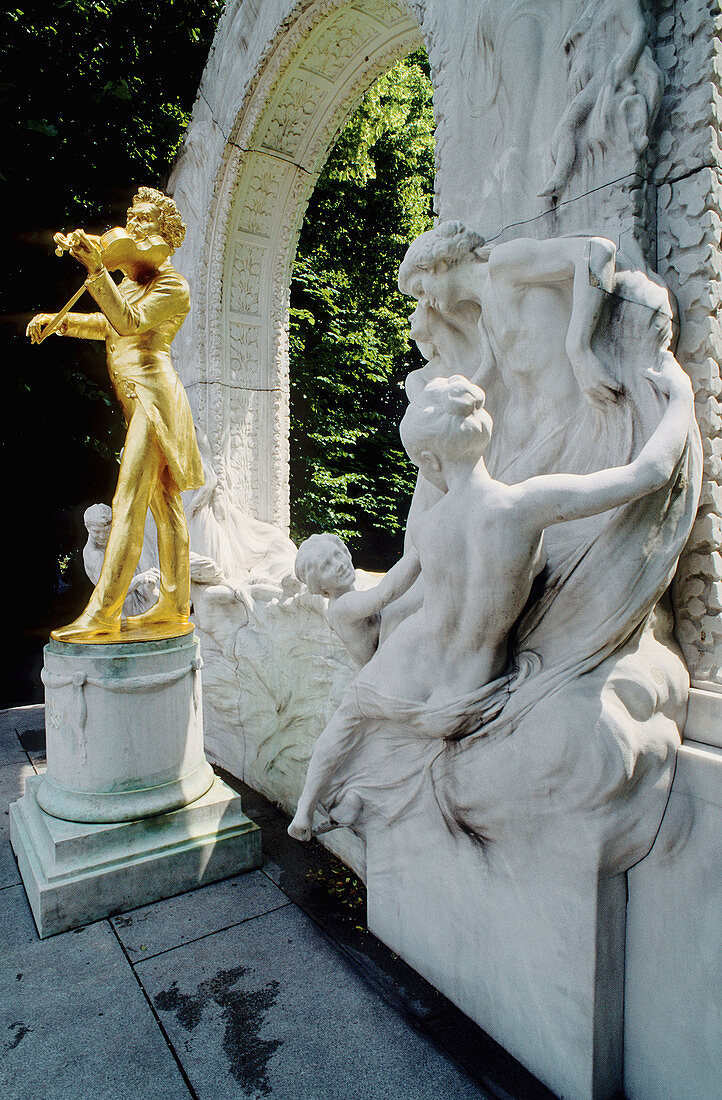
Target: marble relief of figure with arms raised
{"points": [[496, 605], [478, 551]]}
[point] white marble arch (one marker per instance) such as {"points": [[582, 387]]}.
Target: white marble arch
{"points": [[666, 201], [271, 101], [268, 133]]}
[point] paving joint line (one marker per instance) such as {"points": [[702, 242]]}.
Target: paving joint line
{"points": [[420, 1024], [337, 944], [186, 1079], [206, 935]]}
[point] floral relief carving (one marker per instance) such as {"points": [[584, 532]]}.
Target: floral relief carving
{"points": [[259, 206], [243, 460], [689, 258], [277, 430], [289, 117], [266, 52], [386, 12], [245, 289], [333, 47], [245, 359], [295, 188]]}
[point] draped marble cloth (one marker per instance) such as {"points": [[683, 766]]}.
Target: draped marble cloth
{"points": [[243, 547], [592, 723]]}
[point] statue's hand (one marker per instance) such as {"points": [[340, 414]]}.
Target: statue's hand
{"points": [[599, 388], [669, 378], [36, 326], [85, 251]]}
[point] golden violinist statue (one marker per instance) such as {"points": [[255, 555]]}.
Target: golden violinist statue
{"points": [[139, 319]]}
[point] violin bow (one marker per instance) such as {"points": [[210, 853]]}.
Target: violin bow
{"points": [[62, 244]]}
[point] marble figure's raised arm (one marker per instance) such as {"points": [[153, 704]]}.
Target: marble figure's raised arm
{"points": [[556, 498], [590, 263]]}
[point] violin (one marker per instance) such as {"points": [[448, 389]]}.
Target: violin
{"points": [[138, 259]]}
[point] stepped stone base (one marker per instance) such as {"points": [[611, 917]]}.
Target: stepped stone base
{"points": [[76, 873]]}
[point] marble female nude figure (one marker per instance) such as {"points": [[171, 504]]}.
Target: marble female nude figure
{"points": [[478, 550]]}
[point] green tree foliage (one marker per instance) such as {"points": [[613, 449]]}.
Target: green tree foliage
{"points": [[349, 323], [94, 99], [95, 96]]}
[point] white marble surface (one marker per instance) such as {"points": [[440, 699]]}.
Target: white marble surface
{"points": [[259, 137], [77, 873], [355, 600], [556, 100], [520, 709], [273, 675], [523, 317], [260, 130], [704, 717], [253, 151], [143, 590], [523, 944], [124, 729], [673, 996]]}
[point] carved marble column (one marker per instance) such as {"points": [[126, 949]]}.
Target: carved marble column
{"points": [[596, 118]]}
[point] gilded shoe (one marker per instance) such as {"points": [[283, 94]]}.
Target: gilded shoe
{"points": [[86, 629], [156, 616]]}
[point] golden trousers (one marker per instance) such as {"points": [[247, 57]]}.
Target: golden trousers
{"points": [[144, 481]]}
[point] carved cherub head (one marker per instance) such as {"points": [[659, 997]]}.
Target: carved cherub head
{"points": [[153, 212], [324, 565], [97, 521], [429, 268], [446, 423]]}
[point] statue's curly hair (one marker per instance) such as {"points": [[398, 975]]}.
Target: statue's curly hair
{"points": [[172, 227], [449, 243], [449, 412]]}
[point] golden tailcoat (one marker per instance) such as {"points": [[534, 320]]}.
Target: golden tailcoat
{"points": [[138, 324]]}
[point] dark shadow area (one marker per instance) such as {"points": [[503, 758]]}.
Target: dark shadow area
{"points": [[349, 345]]}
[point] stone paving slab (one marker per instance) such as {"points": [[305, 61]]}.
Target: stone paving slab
{"points": [[296, 1000], [31, 717], [12, 787], [11, 750], [74, 1023], [33, 742], [270, 1008], [294, 867], [490, 1064], [17, 926], [174, 921]]}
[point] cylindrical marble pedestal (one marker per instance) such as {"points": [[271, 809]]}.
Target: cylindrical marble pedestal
{"points": [[129, 811], [124, 730]]}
